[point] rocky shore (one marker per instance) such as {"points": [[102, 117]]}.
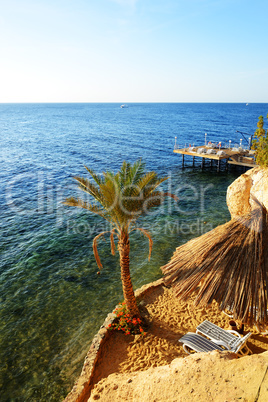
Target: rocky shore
{"points": [[155, 367]]}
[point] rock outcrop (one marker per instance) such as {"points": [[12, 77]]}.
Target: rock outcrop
{"points": [[250, 185], [212, 377]]}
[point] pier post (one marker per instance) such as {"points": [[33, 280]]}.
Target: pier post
{"points": [[202, 165], [182, 160], [193, 161], [218, 168]]}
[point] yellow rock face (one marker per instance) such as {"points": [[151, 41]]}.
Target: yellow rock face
{"points": [[241, 193], [210, 377]]}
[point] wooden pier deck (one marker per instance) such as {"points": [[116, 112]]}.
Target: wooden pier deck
{"points": [[238, 157]]}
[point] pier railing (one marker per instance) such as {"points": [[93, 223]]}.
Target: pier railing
{"points": [[236, 147]]}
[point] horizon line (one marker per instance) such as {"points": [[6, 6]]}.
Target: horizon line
{"points": [[130, 102]]}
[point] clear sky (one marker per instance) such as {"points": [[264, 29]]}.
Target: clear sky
{"points": [[133, 51]]}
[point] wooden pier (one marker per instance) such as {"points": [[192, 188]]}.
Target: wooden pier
{"points": [[232, 156]]}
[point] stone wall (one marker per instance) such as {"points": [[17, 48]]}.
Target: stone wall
{"points": [[82, 388]]}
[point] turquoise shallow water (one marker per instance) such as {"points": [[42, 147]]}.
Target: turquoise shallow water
{"points": [[52, 301]]}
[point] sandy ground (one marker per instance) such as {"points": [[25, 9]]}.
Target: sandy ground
{"points": [[170, 319], [202, 377]]}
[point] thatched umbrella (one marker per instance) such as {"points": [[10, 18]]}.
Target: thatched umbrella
{"points": [[228, 264]]}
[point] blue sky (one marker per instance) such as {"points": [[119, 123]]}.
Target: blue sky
{"points": [[133, 51]]}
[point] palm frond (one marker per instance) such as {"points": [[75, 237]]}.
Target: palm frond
{"points": [[140, 190], [130, 175], [147, 178], [78, 202], [147, 234], [123, 173], [110, 195], [97, 178], [171, 195], [156, 198], [150, 181], [95, 249], [88, 187], [114, 200], [112, 242]]}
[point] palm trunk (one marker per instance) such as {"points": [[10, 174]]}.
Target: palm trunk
{"points": [[128, 292]]}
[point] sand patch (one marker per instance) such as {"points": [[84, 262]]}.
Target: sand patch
{"points": [[170, 319], [211, 377]]}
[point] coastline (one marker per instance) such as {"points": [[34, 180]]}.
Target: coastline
{"points": [[84, 384], [115, 354]]}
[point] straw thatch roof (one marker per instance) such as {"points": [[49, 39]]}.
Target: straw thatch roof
{"points": [[228, 264]]}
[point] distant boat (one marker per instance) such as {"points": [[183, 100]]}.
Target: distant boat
{"points": [[246, 104], [122, 106]]}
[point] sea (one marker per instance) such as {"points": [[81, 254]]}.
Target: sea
{"points": [[52, 302]]}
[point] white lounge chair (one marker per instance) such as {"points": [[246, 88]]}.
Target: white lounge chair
{"points": [[232, 339], [194, 342], [211, 151]]}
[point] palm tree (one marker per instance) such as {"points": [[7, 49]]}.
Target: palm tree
{"points": [[121, 199]]}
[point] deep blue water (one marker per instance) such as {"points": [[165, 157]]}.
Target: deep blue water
{"points": [[52, 301]]}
